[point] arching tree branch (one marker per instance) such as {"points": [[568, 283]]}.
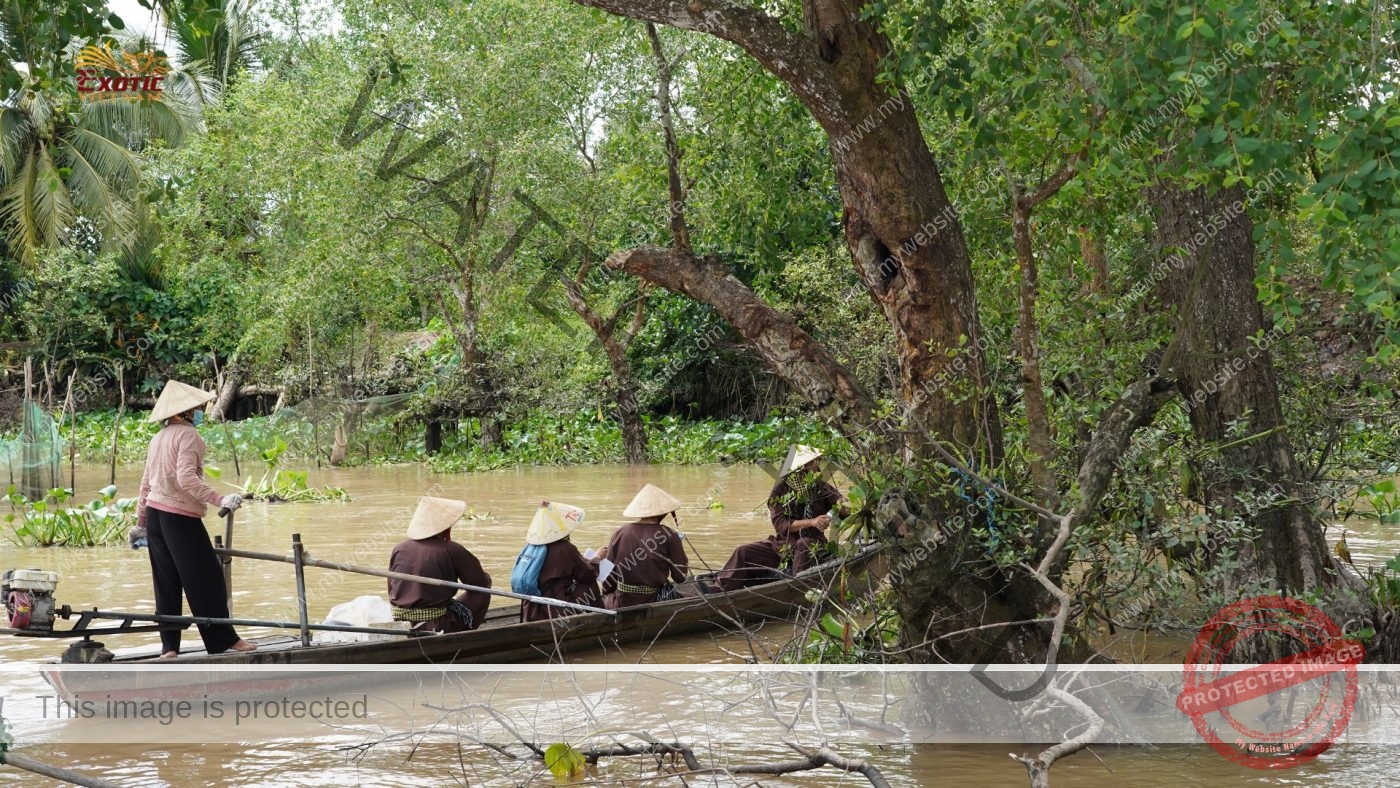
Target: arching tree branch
{"points": [[798, 357], [782, 52]]}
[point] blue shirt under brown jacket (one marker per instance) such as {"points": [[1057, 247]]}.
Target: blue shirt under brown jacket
{"points": [[567, 576]]}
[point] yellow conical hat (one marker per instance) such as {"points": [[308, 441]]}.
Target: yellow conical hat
{"points": [[553, 521], [797, 457], [651, 502], [434, 515], [177, 398]]}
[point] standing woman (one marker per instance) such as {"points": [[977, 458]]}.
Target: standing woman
{"points": [[170, 505]]}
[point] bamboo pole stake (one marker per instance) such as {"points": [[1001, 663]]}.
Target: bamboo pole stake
{"points": [[223, 417], [228, 562], [299, 561], [117, 425]]}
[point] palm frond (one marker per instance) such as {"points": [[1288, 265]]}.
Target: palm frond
{"points": [[136, 124], [17, 137], [53, 210], [103, 180], [140, 262], [192, 84], [223, 35], [34, 206]]}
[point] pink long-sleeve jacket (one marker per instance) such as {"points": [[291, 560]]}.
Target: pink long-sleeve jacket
{"points": [[173, 480]]}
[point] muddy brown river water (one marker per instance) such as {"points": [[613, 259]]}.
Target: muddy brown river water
{"points": [[362, 532]]}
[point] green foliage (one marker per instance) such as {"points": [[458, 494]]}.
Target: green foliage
{"points": [[6, 738], [587, 438], [846, 628], [39, 35], [564, 761], [85, 312], [51, 523], [279, 485], [1383, 501], [1384, 585]]}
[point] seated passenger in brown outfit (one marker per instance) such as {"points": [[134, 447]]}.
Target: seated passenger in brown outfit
{"points": [[799, 506], [566, 575], [647, 556], [430, 552]]}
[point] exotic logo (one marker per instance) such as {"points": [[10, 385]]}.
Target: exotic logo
{"points": [[104, 74]]}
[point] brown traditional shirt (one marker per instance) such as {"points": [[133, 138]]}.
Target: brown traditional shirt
{"points": [[442, 559], [786, 506], [645, 555]]}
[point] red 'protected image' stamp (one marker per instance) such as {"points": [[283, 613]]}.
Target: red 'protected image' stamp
{"points": [[1318, 680]]}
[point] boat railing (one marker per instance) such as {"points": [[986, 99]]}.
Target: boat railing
{"points": [[300, 559]]}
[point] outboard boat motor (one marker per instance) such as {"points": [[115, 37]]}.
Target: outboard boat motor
{"points": [[28, 596]]}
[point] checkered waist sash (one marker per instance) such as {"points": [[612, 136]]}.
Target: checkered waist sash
{"points": [[419, 613], [633, 588]]}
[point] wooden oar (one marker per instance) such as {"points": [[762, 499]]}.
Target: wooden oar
{"points": [[432, 581]]}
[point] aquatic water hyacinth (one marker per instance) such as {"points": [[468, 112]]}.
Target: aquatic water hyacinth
{"points": [[283, 485], [49, 523]]}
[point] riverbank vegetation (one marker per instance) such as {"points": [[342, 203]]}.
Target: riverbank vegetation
{"points": [[1099, 313]]}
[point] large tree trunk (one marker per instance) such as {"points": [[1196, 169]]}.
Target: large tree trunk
{"points": [[634, 436], [1222, 366], [901, 228], [228, 393], [797, 357]]}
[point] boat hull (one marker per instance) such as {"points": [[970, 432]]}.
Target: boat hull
{"points": [[501, 639]]}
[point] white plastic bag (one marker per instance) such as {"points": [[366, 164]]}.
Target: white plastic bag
{"points": [[363, 611]]}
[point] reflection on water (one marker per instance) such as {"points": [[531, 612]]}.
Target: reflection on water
{"points": [[363, 531], [295, 764]]}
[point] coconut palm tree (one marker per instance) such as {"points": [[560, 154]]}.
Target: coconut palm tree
{"points": [[217, 40], [67, 164]]}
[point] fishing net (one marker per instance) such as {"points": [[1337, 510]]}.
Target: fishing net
{"points": [[323, 409], [326, 422], [33, 460]]}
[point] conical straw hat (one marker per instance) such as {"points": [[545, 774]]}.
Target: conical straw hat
{"points": [[553, 521], [651, 502], [434, 515], [797, 457], [177, 398]]}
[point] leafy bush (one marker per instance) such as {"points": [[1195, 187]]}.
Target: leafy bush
{"points": [[1384, 584], [588, 438]]}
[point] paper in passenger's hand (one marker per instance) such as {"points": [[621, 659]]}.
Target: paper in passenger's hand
{"points": [[605, 568], [590, 554]]}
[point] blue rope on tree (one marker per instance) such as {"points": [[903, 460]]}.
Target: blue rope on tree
{"points": [[985, 500]]}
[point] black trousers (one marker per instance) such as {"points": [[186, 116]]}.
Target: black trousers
{"points": [[183, 563]]}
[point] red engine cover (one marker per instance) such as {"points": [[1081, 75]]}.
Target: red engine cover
{"points": [[20, 605]]}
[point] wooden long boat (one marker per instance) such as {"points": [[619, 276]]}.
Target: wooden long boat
{"points": [[502, 638]]}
